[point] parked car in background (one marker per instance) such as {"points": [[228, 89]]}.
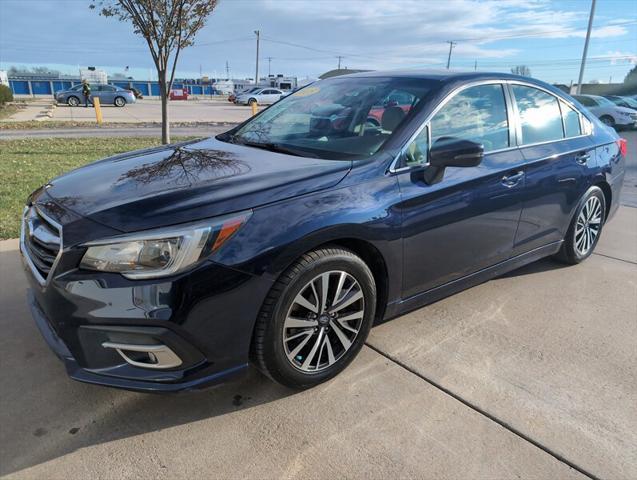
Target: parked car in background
{"points": [[108, 95], [179, 94], [262, 96], [284, 239], [136, 92], [609, 113], [628, 102], [233, 96]]}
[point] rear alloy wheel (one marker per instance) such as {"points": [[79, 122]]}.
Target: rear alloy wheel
{"points": [[585, 229], [73, 101], [608, 120], [120, 101], [316, 318]]}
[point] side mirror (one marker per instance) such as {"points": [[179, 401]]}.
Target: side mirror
{"points": [[451, 152]]}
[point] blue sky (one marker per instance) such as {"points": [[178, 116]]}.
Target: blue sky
{"points": [[304, 37]]}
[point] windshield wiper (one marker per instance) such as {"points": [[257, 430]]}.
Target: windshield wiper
{"points": [[275, 147]]}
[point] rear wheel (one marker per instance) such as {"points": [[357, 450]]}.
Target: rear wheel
{"points": [[73, 101], [252, 101], [608, 120], [120, 101], [315, 319], [585, 229]]}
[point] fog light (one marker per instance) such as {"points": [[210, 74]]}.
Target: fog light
{"points": [[146, 356]]}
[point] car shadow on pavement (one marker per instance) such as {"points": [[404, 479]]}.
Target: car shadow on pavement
{"points": [[45, 415]]}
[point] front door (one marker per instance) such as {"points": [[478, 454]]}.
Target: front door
{"points": [[468, 220]]}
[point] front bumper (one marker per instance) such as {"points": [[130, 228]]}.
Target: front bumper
{"points": [[76, 372], [202, 315]]}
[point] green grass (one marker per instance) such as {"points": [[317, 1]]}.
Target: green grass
{"points": [[7, 110], [26, 164]]}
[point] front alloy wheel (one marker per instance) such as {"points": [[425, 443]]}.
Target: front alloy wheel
{"points": [[323, 321], [315, 319]]}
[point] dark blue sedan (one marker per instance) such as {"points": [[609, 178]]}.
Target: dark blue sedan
{"points": [[283, 240]]}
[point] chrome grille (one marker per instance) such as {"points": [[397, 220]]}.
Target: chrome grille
{"points": [[41, 240]]}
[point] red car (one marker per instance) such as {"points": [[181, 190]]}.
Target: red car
{"points": [[179, 94]]}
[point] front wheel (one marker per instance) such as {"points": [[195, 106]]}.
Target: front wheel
{"points": [[315, 319], [585, 228]]}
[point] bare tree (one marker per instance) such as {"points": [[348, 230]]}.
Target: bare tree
{"points": [[521, 70], [168, 26]]}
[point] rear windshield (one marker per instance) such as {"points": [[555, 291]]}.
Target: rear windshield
{"points": [[336, 118]]}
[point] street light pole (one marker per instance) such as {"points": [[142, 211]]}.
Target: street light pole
{"points": [[588, 37], [256, 75], [451, 45]]}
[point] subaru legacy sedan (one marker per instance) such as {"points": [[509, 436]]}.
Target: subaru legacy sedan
{"points": [[283, 240]]}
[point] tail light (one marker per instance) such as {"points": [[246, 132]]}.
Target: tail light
{"points": [[622, 143]]}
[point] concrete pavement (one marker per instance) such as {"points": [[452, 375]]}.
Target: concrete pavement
{"points": [[145, 110], [532, 375]]}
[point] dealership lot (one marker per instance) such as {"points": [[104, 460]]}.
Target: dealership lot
{"points": [[533, 374], [145, 110]]}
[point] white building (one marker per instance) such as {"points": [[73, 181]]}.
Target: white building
{"points": [[4, 80], [93, 75]]}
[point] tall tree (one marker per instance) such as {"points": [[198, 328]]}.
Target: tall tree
{"points": [[521, 70], [168, 26]]}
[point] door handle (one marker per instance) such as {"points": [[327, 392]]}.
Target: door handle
{"points": [[513, 179], [583, 158]]}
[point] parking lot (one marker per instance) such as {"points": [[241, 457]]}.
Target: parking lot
{"points": [[145, 110], [531, 375]]}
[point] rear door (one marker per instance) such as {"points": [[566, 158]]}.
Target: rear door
{"points": [[559, 156], [468, 220]]}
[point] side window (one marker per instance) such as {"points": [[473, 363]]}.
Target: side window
{"points": [[416, 153], [540, 115], [107, 88], [476, 113], [572, 126]]}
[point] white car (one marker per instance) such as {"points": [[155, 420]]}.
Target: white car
{"points": [[609, 113], [263, 96]]}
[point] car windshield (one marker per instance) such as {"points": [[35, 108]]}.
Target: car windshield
{"points": [[630, 101], [336, 118], [605, 102]]}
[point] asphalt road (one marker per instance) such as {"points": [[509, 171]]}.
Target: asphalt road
{"points": [[531, 375]]}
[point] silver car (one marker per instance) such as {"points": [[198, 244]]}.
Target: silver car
{"points": [[108, 94], [263, 96]]}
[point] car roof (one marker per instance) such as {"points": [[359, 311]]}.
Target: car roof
{"points": [[438, 74]]}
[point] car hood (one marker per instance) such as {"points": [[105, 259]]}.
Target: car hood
{"points": [[186, 182]]}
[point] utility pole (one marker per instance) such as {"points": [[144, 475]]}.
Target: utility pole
{"points": [[269, 62], [588, 37], [340, 57], [227, 70], [256, 75], [451, 45], [475, 66]]}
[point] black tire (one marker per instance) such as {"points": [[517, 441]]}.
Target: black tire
{"points": [[73, 101], [268, 350], [119, 101], [252, 101], [569, 253], [608, 120]]}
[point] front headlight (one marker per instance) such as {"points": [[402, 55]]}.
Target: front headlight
{"points": [[161, 252]]}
